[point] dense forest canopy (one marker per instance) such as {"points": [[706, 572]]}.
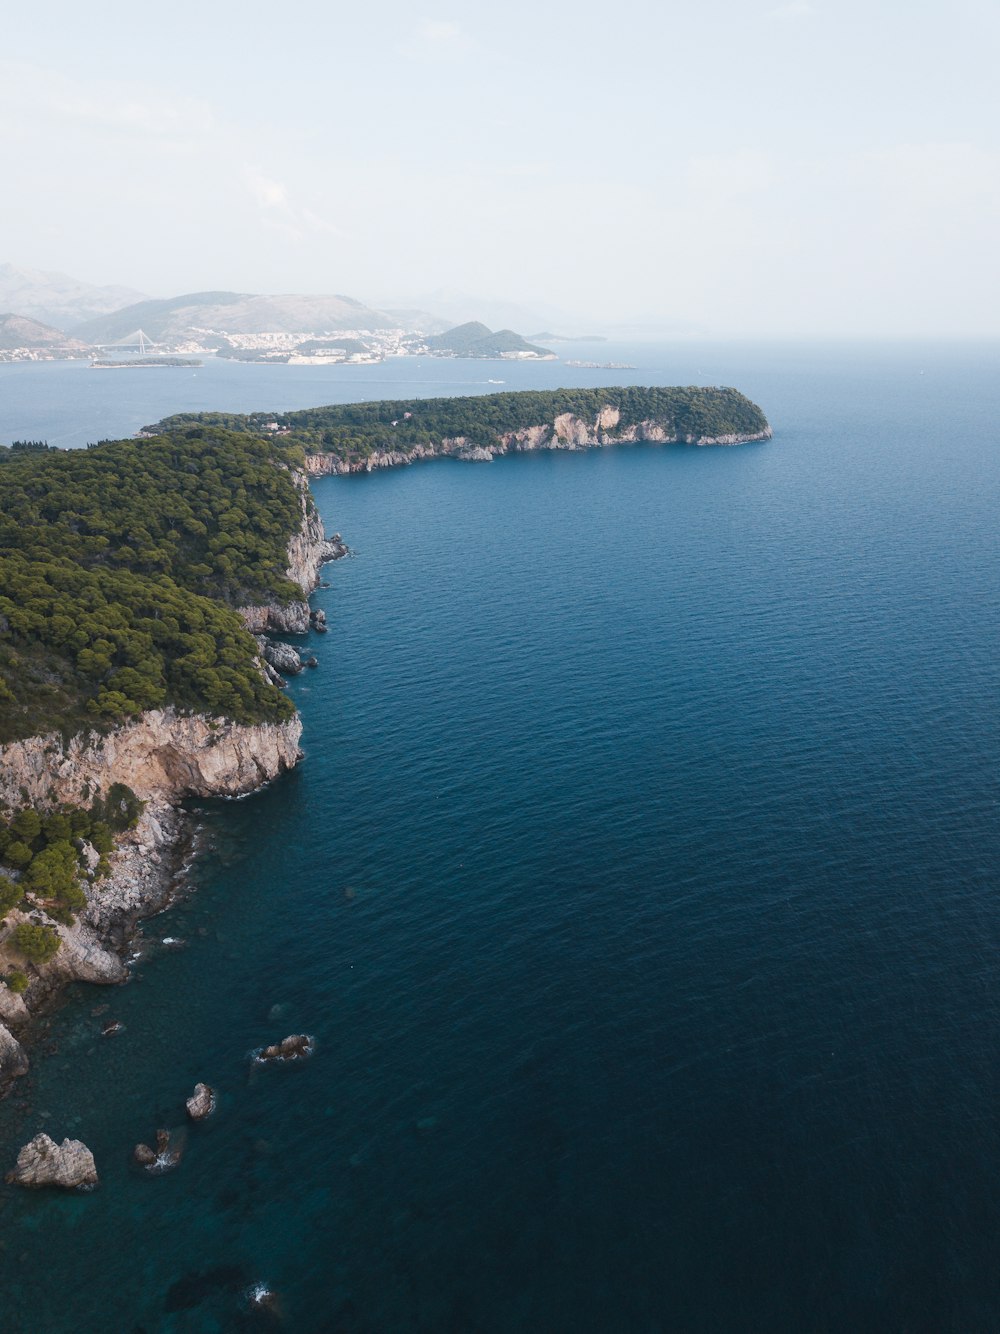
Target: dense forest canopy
{"points": [[121, 565], [354, 431], [120, 568]]}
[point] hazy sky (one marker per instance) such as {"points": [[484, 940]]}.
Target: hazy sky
{"points": [[813, 166]]}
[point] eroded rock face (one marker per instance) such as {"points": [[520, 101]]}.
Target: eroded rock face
{"points": [[45, 1163], [308, 550], [282, 657], [201, 1102], [566, 431], [162, 756], [83, 956], [13, 1062], [290, 618], [12, 1007]]}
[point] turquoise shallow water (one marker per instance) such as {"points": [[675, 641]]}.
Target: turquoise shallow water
{"points": [[639, 885]]}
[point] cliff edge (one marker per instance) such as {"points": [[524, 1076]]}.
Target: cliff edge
{"points": [[163, 756], [566, 430]]}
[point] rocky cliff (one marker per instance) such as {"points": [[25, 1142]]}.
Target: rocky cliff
{"points": [[566, 431], [308, 550], [164, 756]]}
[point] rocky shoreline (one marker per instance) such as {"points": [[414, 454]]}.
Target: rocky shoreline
{"points": [[566, 432], [164, 757]]}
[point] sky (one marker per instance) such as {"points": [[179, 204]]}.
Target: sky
{"points": [[783, 168]]}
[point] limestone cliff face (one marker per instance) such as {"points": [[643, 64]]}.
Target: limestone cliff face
{"points": [[567, 431], [308, 549], [13, 1062], [162, 756]]}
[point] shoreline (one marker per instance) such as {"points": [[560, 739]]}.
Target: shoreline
{"points": [[578, 437], [165, 757]]}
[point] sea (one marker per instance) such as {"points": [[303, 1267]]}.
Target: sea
{"points": [[640, 887]]}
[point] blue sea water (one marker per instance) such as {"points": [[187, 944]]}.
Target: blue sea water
{"points": [[641, 886]]}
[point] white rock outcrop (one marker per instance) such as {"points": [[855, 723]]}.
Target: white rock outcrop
{"points": [[162, 756], [43, 1162], [201, 1102]]}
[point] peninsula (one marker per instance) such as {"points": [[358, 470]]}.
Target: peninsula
{"points": [[359, 437], [140, 581]]}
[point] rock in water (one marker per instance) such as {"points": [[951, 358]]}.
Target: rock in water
{"points": [[282, 657], [166, 1155], [45, 1163], [201, 1102], [296, 1047]]}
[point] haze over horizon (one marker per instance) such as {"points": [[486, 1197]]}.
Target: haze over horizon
{"points": [[743, 169]]}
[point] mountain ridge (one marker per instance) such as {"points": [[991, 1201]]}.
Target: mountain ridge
{"points": [[58, 299]]}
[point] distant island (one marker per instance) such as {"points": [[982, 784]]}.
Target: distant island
{"points": [[477, 340], [101, 364], [601, 365]]}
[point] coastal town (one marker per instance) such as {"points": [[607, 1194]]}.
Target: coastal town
{"points": [[23, 340]]}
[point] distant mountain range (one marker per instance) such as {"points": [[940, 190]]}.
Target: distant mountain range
{"points": [[19, 331], [234, 312], [72, 313], [56, 299]]}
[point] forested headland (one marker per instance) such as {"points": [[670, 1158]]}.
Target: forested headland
{"points": [[121, 566], [354, 432]]}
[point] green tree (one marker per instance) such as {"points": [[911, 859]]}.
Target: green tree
{"points": [[53, 871], [18, 855], [26, 824], [37, 943], [11, 894]]}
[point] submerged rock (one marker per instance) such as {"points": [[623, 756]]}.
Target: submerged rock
{"points": [[167, 1153], [201, 1102], [45, 1163], [262, 1298], [296, 1047]]}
